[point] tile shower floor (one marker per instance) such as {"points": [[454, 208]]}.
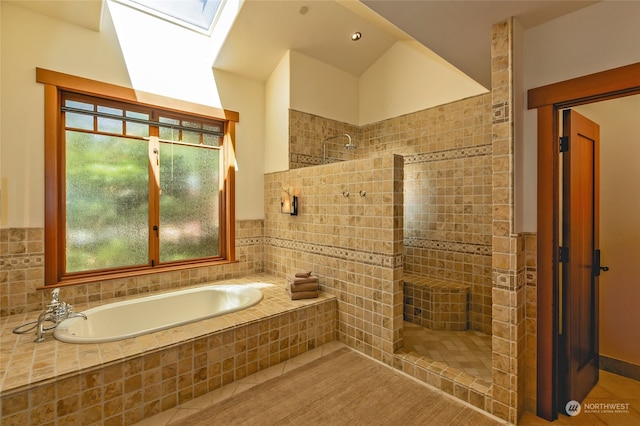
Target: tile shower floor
{"points": [[468, 351]]}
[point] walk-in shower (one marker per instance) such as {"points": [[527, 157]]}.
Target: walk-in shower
{"points": [[348, 145]]}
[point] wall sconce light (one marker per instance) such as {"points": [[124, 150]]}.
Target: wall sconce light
{"points": [[288, 202]]}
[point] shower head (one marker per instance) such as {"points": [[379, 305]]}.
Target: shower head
{"points": [[348, 145]]}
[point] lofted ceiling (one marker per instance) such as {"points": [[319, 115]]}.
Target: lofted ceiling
{"points": [[457, 30]]}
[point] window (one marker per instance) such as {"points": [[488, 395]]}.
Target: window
{"points": [[132, 187], [194, 14]]}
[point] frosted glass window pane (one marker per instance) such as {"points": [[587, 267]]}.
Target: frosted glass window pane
{"points": [[78, 121], [189, 202], [109, 125], [137, 129], [79, 105], [191, 137], [107, 202], [211, 140], [107, 110], [191, 124], [212, 128]]}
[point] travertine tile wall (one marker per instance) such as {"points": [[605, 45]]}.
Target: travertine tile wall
{"points": [[508, 260], [22, 271], [306, 135], [447, 152], [447, 232], [353, 242], [436, 304]]}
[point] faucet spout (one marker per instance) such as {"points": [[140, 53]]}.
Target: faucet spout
{"points": [[44, 316], [56, 312]]}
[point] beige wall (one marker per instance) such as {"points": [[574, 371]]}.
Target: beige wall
{"points": [[322, 89], [619, 225], [29, 40], [276, 117], [408, 78]]}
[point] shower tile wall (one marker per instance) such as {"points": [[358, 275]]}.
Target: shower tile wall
{"points": [[306, 135], [447, 153], [352, 243], [22, 271]]}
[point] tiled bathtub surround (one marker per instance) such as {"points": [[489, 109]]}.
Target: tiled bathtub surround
{"points": [[22, 271], [123, 382], [353, 243], [436, 304], [447, 152]]}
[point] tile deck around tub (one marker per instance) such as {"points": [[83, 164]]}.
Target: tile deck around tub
{"points": [[24, 362]]}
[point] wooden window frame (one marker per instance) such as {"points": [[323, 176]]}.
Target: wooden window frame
{"points": [[549, 100], [54, 84]]}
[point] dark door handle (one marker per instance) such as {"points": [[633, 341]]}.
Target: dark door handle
{"points": [[596, 264]]}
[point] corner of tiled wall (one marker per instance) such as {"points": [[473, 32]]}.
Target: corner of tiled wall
{"points": [[508, 261]]}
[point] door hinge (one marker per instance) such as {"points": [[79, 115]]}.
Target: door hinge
{"points": [[563, 255], [564, 143]]}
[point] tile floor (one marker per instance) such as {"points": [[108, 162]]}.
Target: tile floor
{"points": [[174, 415], [177, 415], [468, 351]]}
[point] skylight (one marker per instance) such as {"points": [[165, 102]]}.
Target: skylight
{"points": [[193, 14]]}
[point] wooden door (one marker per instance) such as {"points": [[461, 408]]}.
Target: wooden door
{"points": [[580, 258]]}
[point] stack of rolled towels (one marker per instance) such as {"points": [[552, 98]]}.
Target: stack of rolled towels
{"points": [[302, 285]]}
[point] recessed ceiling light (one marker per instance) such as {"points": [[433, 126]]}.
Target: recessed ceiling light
{"points": [[356, 36], [304, 10]]}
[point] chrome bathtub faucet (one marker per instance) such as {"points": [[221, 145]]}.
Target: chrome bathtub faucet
{"points": [[55, 312]]}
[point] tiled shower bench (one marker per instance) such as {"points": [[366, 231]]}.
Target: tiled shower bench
{"points": [[436, 303]]}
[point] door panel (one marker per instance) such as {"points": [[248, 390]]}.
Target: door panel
{"points": [[580, 239]]}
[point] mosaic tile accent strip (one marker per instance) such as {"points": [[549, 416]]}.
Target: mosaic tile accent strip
{"points": [[367, 258], [449, 246], [449, 154]]}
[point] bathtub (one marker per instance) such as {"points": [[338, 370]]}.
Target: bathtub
{"points": [[131, 318]]}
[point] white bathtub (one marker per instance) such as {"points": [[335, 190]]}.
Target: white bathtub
{"points": [[131, 318]]}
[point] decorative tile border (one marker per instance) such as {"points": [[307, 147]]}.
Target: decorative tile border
{"points": [[367, 258], [481, 249], [449, 154]]}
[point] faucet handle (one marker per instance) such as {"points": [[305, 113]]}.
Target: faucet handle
{"points": [[55, 295]]}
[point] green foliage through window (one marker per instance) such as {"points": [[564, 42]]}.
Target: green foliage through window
{"points": [[117, 170]]}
